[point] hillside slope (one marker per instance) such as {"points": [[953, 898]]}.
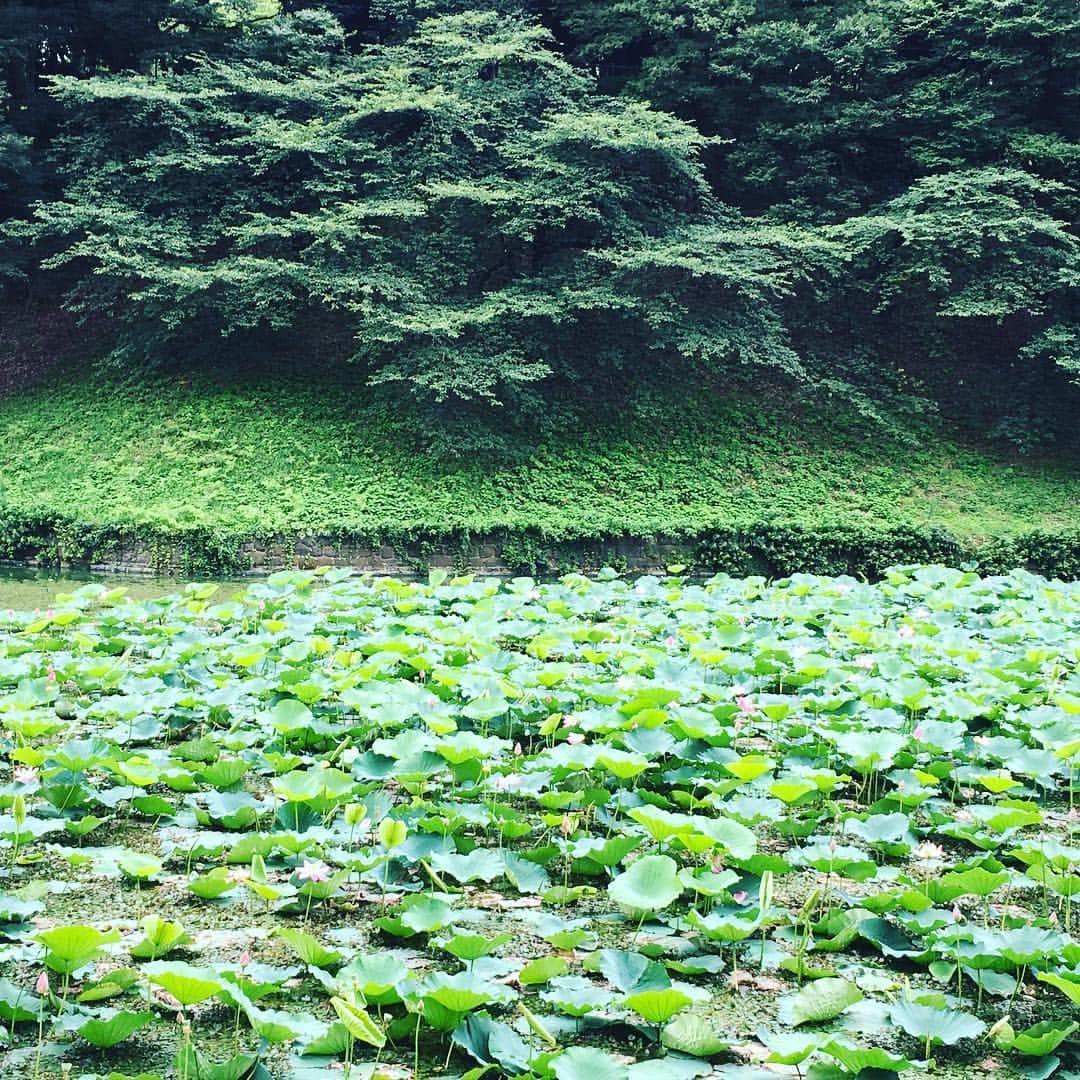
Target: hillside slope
{"points": [[303, 457]]}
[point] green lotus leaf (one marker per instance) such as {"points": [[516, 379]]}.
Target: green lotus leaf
{"points": [[822, 1000], [860, 1060], [463, 992], [481, 864], [788, 1048], [139, 867], [576, 996], [975, 882], [1068, 982], [469, 947], [212, 884], [161, 936], [68, 948], [113, 1027], [493, 1043], [110, 985], [375, 977], [650, 884], [358, 1023], [947, 1026], [188, 984], [1038, 1040], [224, 773], [308, 948], [18, 1005], [657, 1006], [288, 714], [694, 1034], [629, 971], [587, 1063], [543, 970], [279, 1026]]}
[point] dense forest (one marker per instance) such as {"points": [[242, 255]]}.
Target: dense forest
{"points": [[534, 202]]}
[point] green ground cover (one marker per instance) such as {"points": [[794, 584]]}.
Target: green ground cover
{"points": [[585, 829], [265, 456]]}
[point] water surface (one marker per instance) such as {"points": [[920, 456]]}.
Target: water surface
{"points": [[28, 589]]}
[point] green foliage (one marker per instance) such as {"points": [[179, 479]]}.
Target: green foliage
{"points": [[530, 202], [727, 483], [977, 243], [462, 206], [830, 108], [932, 716], [934, 141]]}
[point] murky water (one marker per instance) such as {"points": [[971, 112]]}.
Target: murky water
{"points": [[26, 590]]}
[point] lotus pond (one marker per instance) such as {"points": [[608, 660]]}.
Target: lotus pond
{"points": [[595, 829]]}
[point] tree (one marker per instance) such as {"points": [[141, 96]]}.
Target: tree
{"points": [[15, 179], [977, 243], [558, 196], [462, 204], [831, 107]]}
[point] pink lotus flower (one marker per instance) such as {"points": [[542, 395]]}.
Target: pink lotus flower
{"points": [[843, 588], [740, 896], [25, 775], [42, 984], [245, 958], [669, 641], [906, 631], [575, 737], [919, 733], [508, 782], [314, 871], [746, 705]]}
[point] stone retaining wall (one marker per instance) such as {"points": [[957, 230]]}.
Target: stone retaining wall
{"points": [[768, 549], [482, 555]]}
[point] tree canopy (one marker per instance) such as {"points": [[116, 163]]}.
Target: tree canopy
{"points": [[481, 204]]}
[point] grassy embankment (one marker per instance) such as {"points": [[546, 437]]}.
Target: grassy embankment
{"points": [[223, 459]]}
